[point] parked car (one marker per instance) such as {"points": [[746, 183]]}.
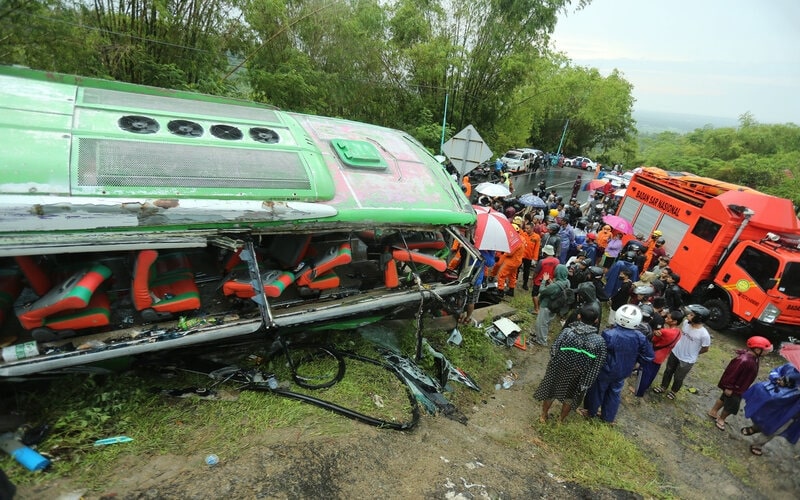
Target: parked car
{"points": [[582, 162], [519, 160]]}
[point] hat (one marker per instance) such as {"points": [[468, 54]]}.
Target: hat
{"points": [[517, 220], [657, 233], [548, 250], [645, 278]]}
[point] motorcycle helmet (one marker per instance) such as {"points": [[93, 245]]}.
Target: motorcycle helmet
{"points": [[628, 316], [553, 228], [657, 233], [591, 236], [701, 313], [647, 312], [656, 321], [586, 262], [660, 241], [759, 343], [629, 256], [596, 272], [646, 290]]}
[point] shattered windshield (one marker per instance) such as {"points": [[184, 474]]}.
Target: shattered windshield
{"points": [[790, 281]]}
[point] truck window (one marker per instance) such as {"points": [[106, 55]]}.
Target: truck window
{"points": [[706, 229], [629, 208], [790, 281], [760, 266]]}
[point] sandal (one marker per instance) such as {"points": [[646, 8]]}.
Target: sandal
{"points": [[756, 450], [748, 431], [720, 425], [671, 395], [658, 390]]}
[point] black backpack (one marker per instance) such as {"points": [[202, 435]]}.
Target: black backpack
{"points": [[564, 301]]}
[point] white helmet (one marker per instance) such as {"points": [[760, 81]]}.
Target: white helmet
{"points": [[628, 316]]}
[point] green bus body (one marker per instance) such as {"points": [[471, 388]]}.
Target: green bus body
{"points": [[100, 170]]}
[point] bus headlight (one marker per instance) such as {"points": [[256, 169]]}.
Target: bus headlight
{"points": [[769, 314]]}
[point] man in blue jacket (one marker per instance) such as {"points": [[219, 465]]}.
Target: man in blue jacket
{"points": [[626, 346]]}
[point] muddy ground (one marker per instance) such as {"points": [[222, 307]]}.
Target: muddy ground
{"points": [[497, 454]]}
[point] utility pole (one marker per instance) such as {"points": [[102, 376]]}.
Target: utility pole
{"points": [[561, 142], [444, 122]]}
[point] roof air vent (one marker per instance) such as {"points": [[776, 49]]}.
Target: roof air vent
{"points": [[264, 135], [226, 132], [138, 124], [185, 128]]}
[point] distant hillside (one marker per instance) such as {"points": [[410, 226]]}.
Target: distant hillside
{"points": [[651, 122]]}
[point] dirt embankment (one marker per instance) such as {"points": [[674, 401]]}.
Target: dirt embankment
{"points": [[497, 454]]}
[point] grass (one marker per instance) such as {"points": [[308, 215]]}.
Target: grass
{"points": [[81, 409], [601, 456]]}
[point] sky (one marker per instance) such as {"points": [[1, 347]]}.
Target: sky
{"points": [[717, 58]]}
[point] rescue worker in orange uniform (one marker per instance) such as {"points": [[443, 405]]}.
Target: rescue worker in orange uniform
{"points": [[510, 262], [656, 251], [467, 186], [602, 240], [532, 241]]}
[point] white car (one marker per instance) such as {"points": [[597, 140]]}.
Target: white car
{"points": [[518, 160]]}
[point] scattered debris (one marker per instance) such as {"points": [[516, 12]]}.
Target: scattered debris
{"points": [[113, 440]]}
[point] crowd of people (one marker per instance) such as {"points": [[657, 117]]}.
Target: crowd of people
{"points": [[572, 264]]}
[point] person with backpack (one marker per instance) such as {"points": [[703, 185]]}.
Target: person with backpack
{"points": [[551, 300], [546, 266], [626, 346]]}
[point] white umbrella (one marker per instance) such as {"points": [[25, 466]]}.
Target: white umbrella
{"points": [[492, 190]]}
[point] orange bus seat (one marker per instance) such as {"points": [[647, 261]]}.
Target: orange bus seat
{"points": [[275, 282], [163, 285], [74, 304], [38, 279], [325, 282], [334, 257], [420, 258]]}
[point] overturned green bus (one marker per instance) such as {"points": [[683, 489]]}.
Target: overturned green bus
{"points": [[135, 219]]}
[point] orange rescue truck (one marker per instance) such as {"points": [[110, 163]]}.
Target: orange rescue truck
{"points": [[735, 249]]}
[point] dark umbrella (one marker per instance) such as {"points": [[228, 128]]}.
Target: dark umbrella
{"points": [[531, 200]]}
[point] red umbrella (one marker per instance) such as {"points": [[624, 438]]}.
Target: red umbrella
{"points": [[494, 232], [594, 184], [617, 223], [792, 353]]}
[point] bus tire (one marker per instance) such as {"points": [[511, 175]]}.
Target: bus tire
{"points": [[720, 314]]}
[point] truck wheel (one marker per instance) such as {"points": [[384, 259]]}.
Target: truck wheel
{"points": [[720, 314]]}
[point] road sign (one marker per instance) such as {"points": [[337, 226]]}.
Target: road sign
{"points": [[467, 150]]}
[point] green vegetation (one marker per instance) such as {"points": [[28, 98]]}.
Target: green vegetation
{"points": [[763, 157], [401, 63], [615, 462]]}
